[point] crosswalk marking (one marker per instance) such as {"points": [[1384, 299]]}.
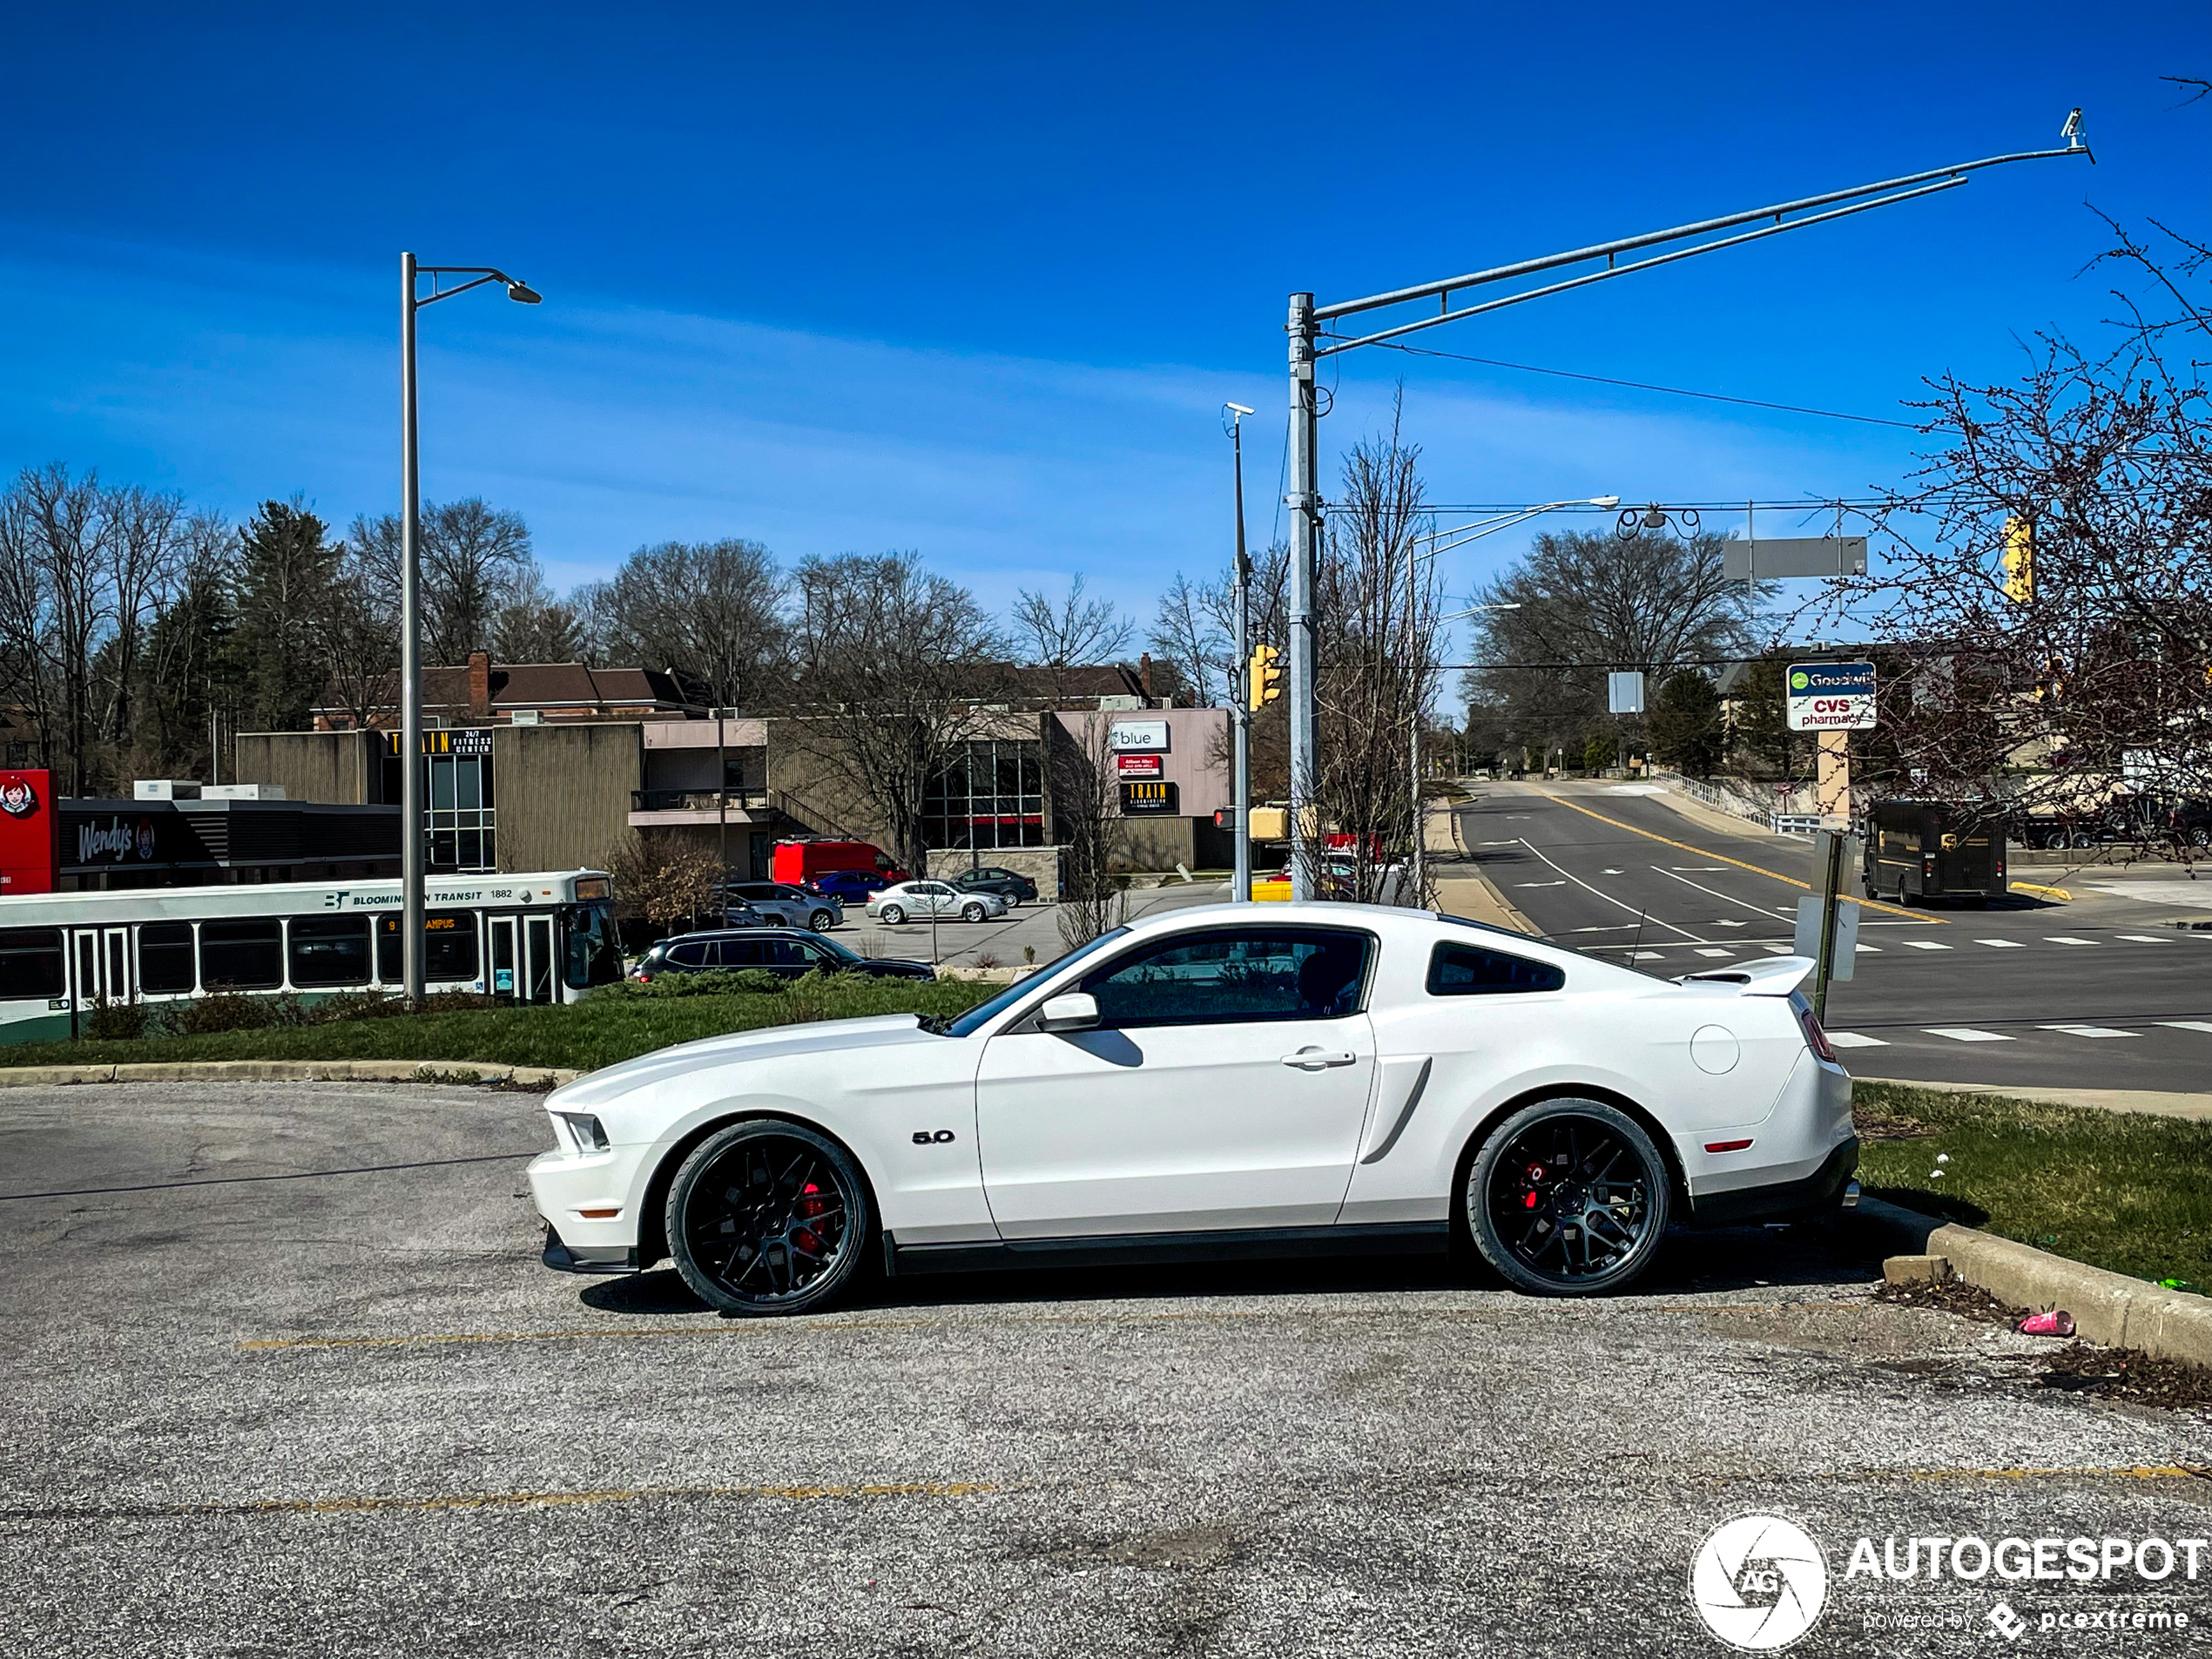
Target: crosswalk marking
{"points": [[1712, 950], [2001, 944], [2090, 1031], [2143, 939], [1779, 950], [2066, 938], [1924, 944], [1855, 1040], [1868, 950], [1646, 956], [2188, 1025], [1963, 1033]]}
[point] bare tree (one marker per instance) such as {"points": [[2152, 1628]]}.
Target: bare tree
{"points": [[893, 666], [665, 878], [57, 603], [1086, 817], [1187, 639], [709, 610], [532, 626], [1074, 632]]}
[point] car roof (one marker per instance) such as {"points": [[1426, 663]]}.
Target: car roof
{"points": [[1389, 920]]}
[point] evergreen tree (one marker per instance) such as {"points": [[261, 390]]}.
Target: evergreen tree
{"points": [[288, 568], [1687, 732]]}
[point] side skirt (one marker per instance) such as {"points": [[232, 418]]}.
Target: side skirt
{"points": [[1259, 1243]]}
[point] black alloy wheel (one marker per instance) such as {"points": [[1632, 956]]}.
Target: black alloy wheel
{"points": [[1569, 1197], [768, 1217]]}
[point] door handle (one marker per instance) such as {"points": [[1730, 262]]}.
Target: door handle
{"points": [[1319, 1059]]}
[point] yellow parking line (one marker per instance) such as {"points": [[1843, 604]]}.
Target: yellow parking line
{"points": [[1870, 904], [2060, 893], [2138, 1471]]}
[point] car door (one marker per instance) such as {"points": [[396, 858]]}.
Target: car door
{"points": [[937, 898], [1224, 1088]]}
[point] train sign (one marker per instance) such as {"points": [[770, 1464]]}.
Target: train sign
{"points": [[1831, 696]]}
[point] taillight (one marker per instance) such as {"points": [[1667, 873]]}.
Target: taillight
{"points": [[1816, 1039]]}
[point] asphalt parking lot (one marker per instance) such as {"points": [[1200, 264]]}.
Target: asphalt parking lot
{"points": [[284, 1376]]}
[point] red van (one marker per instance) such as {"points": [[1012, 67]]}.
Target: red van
{"points": [[801, 863]]}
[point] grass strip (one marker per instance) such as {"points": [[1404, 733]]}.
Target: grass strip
{"points": [[604, 1027], [2121, 1191]]}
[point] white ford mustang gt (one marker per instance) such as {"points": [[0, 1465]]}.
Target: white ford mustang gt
{"points": [[1229, 1081]]}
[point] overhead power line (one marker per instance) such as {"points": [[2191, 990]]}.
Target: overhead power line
{"points": [[1645, 386]]}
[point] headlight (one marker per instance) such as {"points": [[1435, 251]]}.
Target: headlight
{"points": [[586, 1132]]}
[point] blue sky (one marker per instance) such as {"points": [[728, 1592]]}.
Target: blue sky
{"points": [[976, 281]]}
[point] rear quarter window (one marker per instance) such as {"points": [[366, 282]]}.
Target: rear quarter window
{"points": [[1472, 970]]}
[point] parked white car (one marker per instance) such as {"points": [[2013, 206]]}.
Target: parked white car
{"points": [[1213, 1082], [918, 900]]}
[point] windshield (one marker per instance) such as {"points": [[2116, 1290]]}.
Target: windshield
{"points": [[843, 952], [984, 1013]]}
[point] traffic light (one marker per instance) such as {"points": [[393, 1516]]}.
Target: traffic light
{"points": [[1266, 675], [2020, 560]]}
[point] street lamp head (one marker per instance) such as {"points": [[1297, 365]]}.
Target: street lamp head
{"points": [[1239, 407], [522, 294], [1607, 502]]}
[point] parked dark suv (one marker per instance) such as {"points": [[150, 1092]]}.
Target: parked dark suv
{"points": [[785, 951]]}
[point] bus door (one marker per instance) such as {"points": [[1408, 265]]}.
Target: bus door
{"points": [[538, 959], [500, 981], [102, 965]]}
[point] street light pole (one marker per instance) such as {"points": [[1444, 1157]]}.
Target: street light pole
{"points": [[1240, 690], [1305, 325], [412, 851]]}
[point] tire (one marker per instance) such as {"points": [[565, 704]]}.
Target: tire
{"points": [[768, 1217], [1531, 1222], [971, 913], [822, 920], [892, 915]]}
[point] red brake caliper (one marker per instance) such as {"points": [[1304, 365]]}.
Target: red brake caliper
{"points": [[809, 1204], [1534, 1176]]}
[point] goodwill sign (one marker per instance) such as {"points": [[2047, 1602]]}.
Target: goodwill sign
{"points": [[1831, 696]]}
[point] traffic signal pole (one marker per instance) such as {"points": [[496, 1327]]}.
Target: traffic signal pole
{"points": [[1240, 700], [1308, 344]]}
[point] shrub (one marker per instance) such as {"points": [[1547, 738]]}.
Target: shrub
{"points": [[220, 1011], [356, 1005], [115, 1019]]}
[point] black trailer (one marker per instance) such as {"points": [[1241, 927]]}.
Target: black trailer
{"points": [[1923, 851]]}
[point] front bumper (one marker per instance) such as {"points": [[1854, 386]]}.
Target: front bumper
{"points": [[559, 1255], [588, 1205]]}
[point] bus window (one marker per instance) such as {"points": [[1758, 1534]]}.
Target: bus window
{"points": [[594, 957], [448, 948], [30, 961], [246, 956], [329, 950], [164, 957]]}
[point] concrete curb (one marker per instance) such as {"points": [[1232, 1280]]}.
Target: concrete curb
{"points": [[2107, 1307], [306, 1071], [2148, 1102]]}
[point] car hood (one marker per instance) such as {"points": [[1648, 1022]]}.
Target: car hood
{"points": [[775, 1041]]}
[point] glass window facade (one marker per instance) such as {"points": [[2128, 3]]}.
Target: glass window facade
{"points": [[992, 797], [459, 810]]}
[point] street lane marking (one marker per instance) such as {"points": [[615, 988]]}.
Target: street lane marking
{"points": [[1613, 873], [2001, 944], [1923, 944], [1870, 904], [2066, 938], [1779, 950], [2089, 1031], [1702, 869], [371, 1505], [2143, 939], [1726, 924], [1637, 910], [1856, 1040], [1758, 910], [1646, 956], [1540, 883], [1713, 950], [1963, 1033], [1868, 950], [2187, 1025]]}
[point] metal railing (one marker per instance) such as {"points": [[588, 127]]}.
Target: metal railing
{"points": [[695, 800]]}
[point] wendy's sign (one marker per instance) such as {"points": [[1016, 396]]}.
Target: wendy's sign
{"points": [[30, 833]]}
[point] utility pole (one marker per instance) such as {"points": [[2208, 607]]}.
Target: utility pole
{"points": [[1240, 710], [1307, 320], [1305, 502]]}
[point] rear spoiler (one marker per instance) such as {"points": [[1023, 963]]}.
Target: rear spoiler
{"points": [[1775, 976]]}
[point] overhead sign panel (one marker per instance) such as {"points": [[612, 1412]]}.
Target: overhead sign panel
{"points": [[1793, 556], [1624, 693], [1831, 696]]}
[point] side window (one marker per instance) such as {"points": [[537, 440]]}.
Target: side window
{"points": [[740, 953], [1470, 970], [1235, 976], [449, 947], [786, 953], [164, 957], [326, 950], [30, 960], [691, 955], [242, 956]]}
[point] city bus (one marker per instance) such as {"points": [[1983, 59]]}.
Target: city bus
{"points": [[537, 938]]}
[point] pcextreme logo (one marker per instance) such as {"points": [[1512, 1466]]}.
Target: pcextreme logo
{"points": [[1758, 1583]]}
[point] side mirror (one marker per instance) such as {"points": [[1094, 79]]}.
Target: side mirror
{"points": [[1069, 1011]]}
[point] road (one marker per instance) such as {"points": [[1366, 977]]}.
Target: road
{"points": [[284, 1376], [2102, 992]]}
